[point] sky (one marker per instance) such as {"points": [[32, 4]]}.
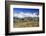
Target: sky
{"points": [[25, 12]]}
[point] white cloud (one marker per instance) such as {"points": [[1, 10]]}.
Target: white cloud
{"points": [[22, 15]]}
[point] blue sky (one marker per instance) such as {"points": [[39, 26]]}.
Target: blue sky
{"points": [[25, 10]]}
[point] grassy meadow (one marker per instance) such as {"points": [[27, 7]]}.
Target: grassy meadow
{"points": [[26, 22]]}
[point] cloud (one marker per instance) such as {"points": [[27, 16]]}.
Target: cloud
{"points": [[22, 15]]}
